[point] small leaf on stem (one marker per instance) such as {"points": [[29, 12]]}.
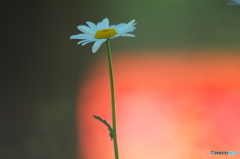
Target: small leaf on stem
{"points": [[105, 123]]}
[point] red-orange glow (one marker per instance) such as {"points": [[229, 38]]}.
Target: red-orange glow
{"points": [[169, 106]]}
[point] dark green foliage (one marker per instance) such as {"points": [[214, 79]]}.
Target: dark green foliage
{"points": [[105, 123]]}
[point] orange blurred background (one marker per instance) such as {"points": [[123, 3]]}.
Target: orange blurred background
{"points": [[170, 104]]}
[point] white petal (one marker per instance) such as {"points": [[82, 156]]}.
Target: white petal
{"points": [[124, 34], [97, 44], [128, 35], [125, 30], [128, 29], [115, 36], [121, 25], [85, 41], [92, 26], [113, 26], [105, 23], [131, 22], [81, 42], [83, 36], [85, 29], [100, 26], [127, 26]]}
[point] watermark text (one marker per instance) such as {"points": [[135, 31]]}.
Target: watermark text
{"points": [[223, 153]]}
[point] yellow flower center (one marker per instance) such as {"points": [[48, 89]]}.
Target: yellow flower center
{"points": [[105, 33]]}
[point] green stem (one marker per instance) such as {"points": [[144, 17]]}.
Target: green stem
{"points": [[114, 122]]}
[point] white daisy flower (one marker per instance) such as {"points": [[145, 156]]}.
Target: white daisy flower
{"points": [[102, 32], [234, 2]]}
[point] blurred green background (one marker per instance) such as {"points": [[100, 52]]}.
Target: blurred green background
{"points": [[42, 70]]}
